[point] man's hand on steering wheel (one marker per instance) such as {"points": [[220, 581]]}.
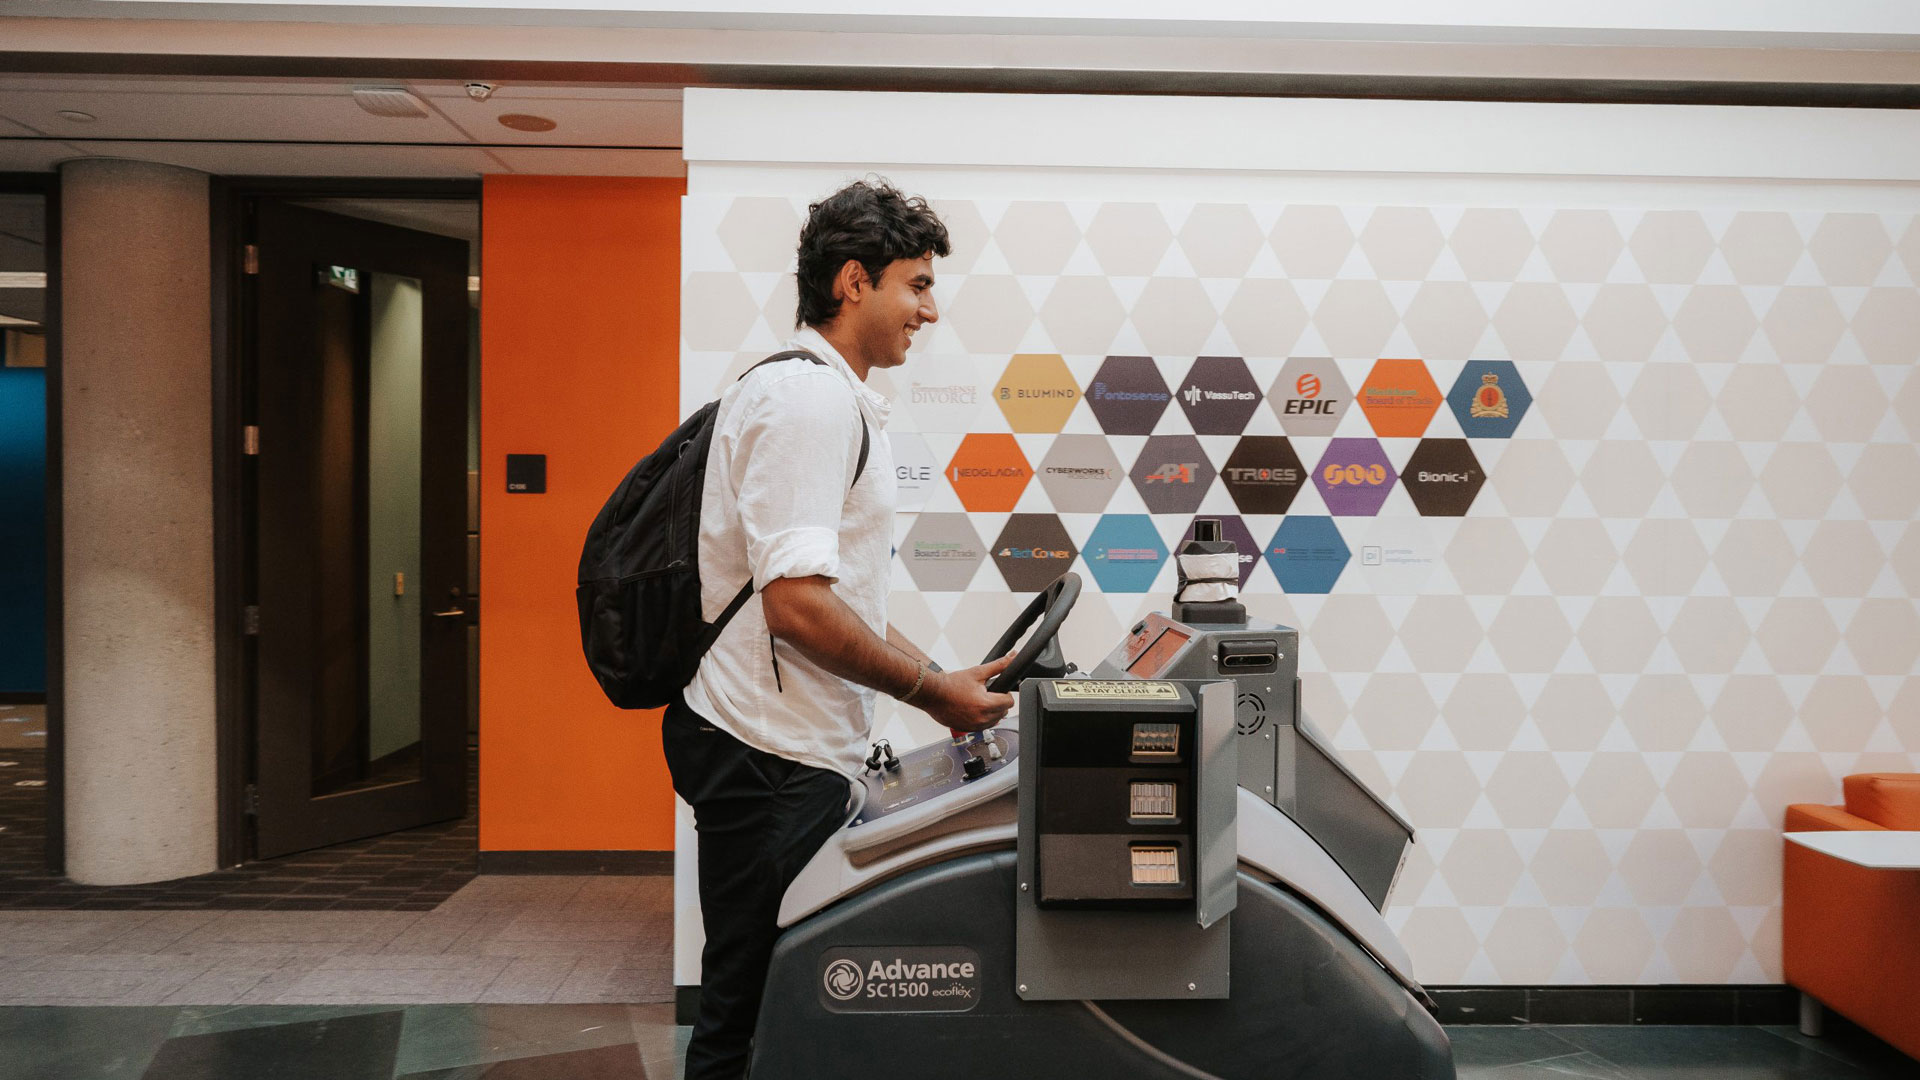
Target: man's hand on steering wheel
{"points": [[960, 700]]}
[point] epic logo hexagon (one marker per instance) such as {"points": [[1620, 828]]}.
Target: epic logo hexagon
{"points": [[942, 551], [1219, 395], [1235, 530], [989, 472], [1125, 554], [1399, 398], [1442, 477], [1036, 392], [1307, 554], [1033, 550], [1128, 395], [1080, 473], [1173, 474], [1310, 396], [1354, 477], [1489, 398], [1263, 474]]}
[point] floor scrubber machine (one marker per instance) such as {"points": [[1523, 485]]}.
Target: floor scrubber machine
{"points": [[1156, 868]]}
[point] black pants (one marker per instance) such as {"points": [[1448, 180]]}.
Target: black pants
{"points": [[760, 818]]}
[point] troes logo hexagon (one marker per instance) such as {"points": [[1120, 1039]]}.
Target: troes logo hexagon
{"points": [[1399, 398], [1263, 474], [989, 472], [1219, 394], [1036, 393], [1310, 396]]}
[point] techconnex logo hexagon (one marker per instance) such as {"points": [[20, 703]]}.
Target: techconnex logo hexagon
{"points": [[1489, 398], [1125, 553], [1172, 474], [1127, 395], [941, 552], [1310, 396], [1036, 392], [1307, 554], [1354, 477], [1032, 551], [1219, 395]]}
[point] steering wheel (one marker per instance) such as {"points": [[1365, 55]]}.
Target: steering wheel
{"points": [[1040, 657]]}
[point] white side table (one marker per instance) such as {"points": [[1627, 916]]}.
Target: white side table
{"points": [[1889, 849]]}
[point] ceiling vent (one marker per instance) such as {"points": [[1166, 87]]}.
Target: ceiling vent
{"points": [[389, 101]]}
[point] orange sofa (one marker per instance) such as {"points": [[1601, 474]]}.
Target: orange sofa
{"points": [[1851, 934]]}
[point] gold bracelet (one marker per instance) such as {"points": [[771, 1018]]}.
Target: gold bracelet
{"points": [[918, 680]]}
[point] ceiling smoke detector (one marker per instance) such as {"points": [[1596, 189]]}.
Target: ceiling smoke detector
{"points": [[480, 91], [389, 101]]}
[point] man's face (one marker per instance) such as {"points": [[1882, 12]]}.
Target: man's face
{"points": [[898, 306]]}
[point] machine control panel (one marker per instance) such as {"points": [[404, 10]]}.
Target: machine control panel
{"points": [[930, 771]]}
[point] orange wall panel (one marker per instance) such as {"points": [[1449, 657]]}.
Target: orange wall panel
{"points": [[579, 334]]}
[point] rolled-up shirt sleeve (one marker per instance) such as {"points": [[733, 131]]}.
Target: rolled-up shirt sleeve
{"points": [[792, 464]]}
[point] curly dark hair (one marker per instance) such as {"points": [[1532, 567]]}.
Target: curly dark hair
{"points": [[869, 221]]}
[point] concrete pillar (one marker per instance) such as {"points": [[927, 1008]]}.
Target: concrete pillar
{"points": [[137, 499]]}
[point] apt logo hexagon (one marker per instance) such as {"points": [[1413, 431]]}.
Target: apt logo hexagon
{"points": [[1399, 398], [989, 472], [1489, 398], [1263, 474], [1037, 392], [1234, 530], [1442, 477], [1219, 395], [1081, 473], [942, 551], [1307, 554], [1172, 474], [1310, 396], [1354, 477], [1125, 553], [1032, 551], [1128, 395]]}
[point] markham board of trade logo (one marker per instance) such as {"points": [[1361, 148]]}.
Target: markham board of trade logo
{"points": [[1354, 477], [907, 978], [1310, 396], [942, 552], [1399, 398], [1219, 395]]}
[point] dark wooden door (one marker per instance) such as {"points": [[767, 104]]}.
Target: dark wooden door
{"points": [[359, 529]]}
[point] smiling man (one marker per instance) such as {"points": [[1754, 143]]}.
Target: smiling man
{"points": [[780, 713]]}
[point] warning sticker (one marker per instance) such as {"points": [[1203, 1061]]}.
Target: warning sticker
{"points": [[1115, 689]]}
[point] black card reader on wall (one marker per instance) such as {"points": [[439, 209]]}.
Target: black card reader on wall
{"points": [[526, 474]]}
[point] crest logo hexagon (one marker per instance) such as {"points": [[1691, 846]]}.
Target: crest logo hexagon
{"points": [[1032, 551], [1307, 554], [1354, 477], [1263, 474], [1080, 473], [1219, 395], [1442, 477], [1125, 553], [941, 552], [1036, 392], [1489, 398], [1172, 474], [1127, 395], [989, 472], [1310, 396], [1399, 398]]}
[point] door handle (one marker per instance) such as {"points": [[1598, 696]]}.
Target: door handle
{"points": [[449, 613]]}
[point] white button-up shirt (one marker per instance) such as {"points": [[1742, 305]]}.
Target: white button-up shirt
{"points": [[781, 501]]}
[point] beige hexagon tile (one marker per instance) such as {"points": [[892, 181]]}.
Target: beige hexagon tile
{"points": [[761, 235], [1751, 713], [1671, 246], [1616, 790], [1660, 867], [782, 310], [1129, 239], [1761, 247], [1530, 634], [1840, 713], [1535, 322], [990, 314], [1668, 401], [1882, 481], [1394, 712], [1039, 238], [1907, 246], [1440, 633], [1265, 317], [1490, 244], [1797, 635], [1794, 777], [1662, 712], [1354, 319], [1757, 402], [1621, 478], [1441, 943], [1581, 245], [1570, 867], [1765, 945], [1483, 711], [1174, 316], [967, 235], [1437, 790], [1800, 480], [1527, 789], [1445, 321], [1350, 633], [1534, 478], [1573, 712], [1884, 636], [1614, 945], [1803, 324], [1715, 323], [1708, 634], [1082, 315], [1906, 404], [1576, 556], [1220, 239], [1850, 249], [1706, 790], [1903, 715], [1481, 867], [716, 311], [1754, 557], [1704, 945], [1847, 403], [1312, 241], [1746, 867], [1401, 242], [1486, 556], [1525, 945], [1712, 479], [1843, 558], [1619, 634], [1665, 557], [1887, 326], [1624, 322]]}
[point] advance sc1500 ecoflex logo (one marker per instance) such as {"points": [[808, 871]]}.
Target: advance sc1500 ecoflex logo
{"points": [[919, 978]]}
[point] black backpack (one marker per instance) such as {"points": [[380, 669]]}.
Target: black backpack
{"points": [[641, 624]]}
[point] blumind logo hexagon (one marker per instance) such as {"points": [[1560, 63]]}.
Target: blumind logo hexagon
{"points": [[1125, 553], [1354, 477], [1036, 392], [1307, 554], [1489, 398]]}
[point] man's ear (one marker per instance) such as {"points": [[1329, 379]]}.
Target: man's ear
{"points": [[848, 283]]}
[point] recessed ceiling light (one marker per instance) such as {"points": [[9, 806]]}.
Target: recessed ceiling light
{"points": [[527, 122], [76, 116]]}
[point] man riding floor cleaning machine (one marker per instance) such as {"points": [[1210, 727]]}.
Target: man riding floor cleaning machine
{"points": [[1156, 869]]}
